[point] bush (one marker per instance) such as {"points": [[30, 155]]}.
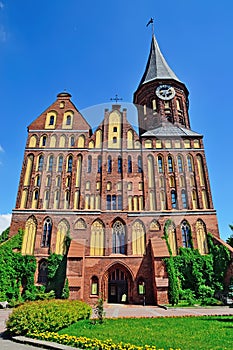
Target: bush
{"points": [[188, 295], [47, 315]]}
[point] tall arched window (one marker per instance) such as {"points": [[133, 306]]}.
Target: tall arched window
{"points": [[138, 238], [69, 164], [129, 164], [173, 199], [29, 236], [171, 232], [62, 233], [119, 202], [201, 170], [113, 202], [97, 238], [170, 164], [109, 164], [89, 164], [68, 120], [60, 162], [40, 163], [119, 165], [43, 141], [99, 164], [108, 202], [38, 180], [47, 231], [72, 141], [190, 163], [201, 237], [118, 238], [184, 199], [139, 164], [180, 164], [50, 164], [160, 164], [186, 234]]}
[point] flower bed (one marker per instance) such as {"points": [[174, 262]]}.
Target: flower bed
{"points": [[87, 343]]}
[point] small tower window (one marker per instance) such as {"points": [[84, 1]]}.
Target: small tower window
{"points": [[184, 199], [60, 162], [119, 163], [170, 164], [129, 164], [160, 164], [139, 164], [70, 163], [44, 138], [114, 129], [180, 164], [109, 164], [51, 120], [99, 164], [68, 120], [173, 199], [89, 164], [114, 140]]}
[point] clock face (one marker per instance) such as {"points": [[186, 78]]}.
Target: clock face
{"points": [[165, 92]]}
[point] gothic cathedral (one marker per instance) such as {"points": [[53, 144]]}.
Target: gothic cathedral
{"points": [[114, 191]]}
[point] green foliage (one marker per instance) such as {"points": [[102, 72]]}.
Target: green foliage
{"points": [[99, 310], [199, 275], [4, 235], [66, 290], [230, 239], [56, 273], [49, 315]]}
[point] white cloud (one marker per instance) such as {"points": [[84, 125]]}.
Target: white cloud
{"points": [[1, 5], [5, 220], [1, 149]]}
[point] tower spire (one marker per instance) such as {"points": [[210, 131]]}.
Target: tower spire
{"points": [[156, 67]]}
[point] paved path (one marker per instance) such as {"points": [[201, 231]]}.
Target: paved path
{"points": [[111, 311]]}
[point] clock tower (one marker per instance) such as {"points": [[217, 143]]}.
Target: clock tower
{"points": [[160, 96]]}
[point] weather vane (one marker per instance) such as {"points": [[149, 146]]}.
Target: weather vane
{"points": [[151, 21], [116, 98]]}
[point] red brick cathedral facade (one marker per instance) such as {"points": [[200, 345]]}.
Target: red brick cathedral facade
{"points": [[113, 191]]}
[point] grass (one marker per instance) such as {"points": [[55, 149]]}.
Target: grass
{"points": [[187, 333]]}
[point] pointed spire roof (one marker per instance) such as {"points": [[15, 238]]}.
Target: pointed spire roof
{"points": [[157, 67]]}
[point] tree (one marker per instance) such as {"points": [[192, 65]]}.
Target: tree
{"points": [[230, 239]]}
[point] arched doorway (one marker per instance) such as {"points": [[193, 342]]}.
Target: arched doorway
{"points": [[119, 282]]}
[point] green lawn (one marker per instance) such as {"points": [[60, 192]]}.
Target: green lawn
{"points": [[184, 332]]}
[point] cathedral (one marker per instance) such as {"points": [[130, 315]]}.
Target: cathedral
{"points": [[112, 191]]}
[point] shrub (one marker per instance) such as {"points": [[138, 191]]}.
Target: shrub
{"points": [[188, 295], [46, 315]]}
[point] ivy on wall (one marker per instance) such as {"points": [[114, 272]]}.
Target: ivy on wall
{"points": [[194, 275], [56, 274], [16, 271]]}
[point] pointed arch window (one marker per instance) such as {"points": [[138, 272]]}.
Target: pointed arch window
{"points": [[180, 164], [89, 164], [60, 163], [50, 165], [108, 204], [190, 163], [119, 165], [47, 231], [72, 141], [62, 234], [40, 163], [201, 237], [160, 164], [114, 202], [118, 238], [173, 199], [38, 180], [109, 164], [139, 164], [138, 238], [69, 164], [29, 236], [129, 164], [186, 234], [97, 239], [170, 164], [43, 142], [171, 232], [184, 199], [99, 164]]}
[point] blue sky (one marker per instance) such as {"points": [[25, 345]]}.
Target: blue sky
{"points": [[95, 49]]}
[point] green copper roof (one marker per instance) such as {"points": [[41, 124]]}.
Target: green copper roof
{"points": [[157, 67]]}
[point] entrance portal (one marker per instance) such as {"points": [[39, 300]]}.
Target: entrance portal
{"points": [[117, 286]]}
